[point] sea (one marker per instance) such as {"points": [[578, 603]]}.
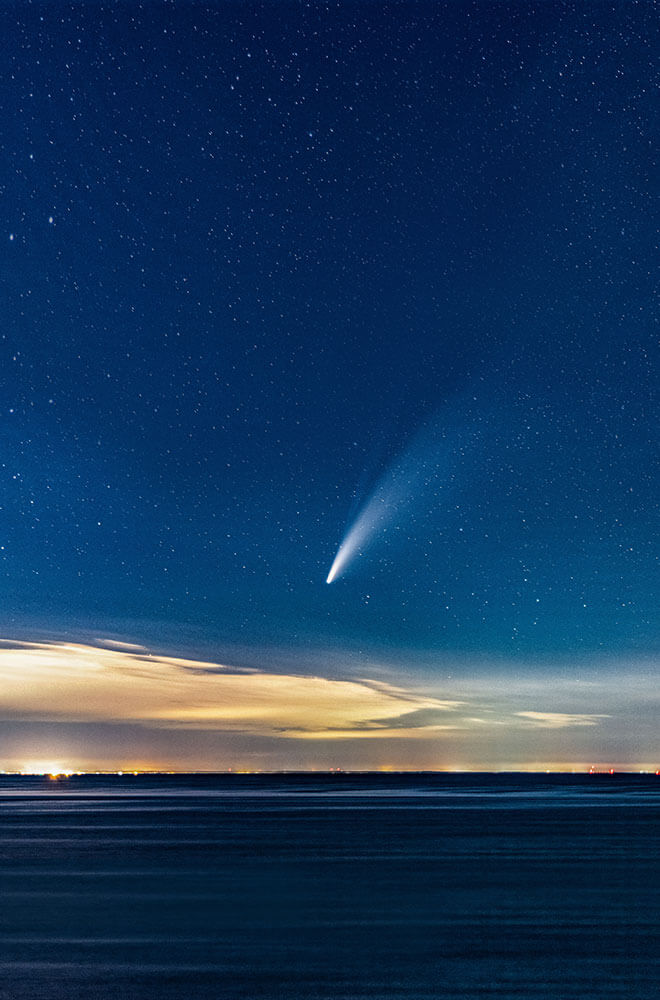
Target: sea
{"points": [[330, 886]]}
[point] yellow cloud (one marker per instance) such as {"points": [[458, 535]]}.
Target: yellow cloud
{"points": [[394, 732], [88, 683]]}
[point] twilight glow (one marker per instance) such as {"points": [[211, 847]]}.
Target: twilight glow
{"points": [[66, 706]]}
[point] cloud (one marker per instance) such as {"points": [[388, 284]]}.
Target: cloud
{"points": [[561, 720], [395, 732], [73, 683], [116, 644]]}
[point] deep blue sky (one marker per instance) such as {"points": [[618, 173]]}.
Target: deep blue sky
{"points": [[248, 251]]}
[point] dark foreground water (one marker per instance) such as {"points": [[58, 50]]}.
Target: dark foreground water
{"points": [[336, 886]]}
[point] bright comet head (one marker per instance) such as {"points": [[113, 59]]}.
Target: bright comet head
{"points": [[394, 495], [352, 544]]}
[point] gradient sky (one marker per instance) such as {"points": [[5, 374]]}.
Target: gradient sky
{"points": [[279, 275]]}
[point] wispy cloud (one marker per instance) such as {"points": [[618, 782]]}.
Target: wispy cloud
{"points": [[560, 720]]}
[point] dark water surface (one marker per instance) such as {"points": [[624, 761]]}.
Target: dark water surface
{"points": [[330, 886]]}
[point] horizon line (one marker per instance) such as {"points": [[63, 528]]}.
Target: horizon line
{"points": [[239, 772]]}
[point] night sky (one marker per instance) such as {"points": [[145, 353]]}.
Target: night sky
{"points": [[273, 270]]}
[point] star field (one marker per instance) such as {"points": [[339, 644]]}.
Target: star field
{"points": [[248, 251]]}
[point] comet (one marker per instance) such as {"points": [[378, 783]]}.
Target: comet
{"points": [[373, 518], [403, 485]]}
